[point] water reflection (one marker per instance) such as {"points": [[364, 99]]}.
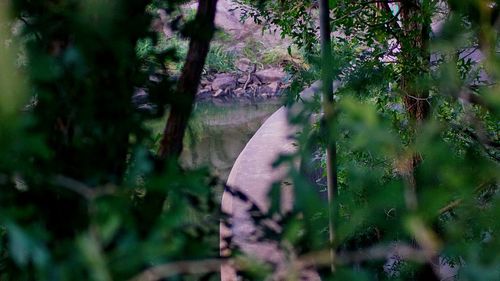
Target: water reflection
{"points": [[217, 134]]}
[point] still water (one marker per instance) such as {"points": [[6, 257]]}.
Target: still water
{"points": [[217, 134]]}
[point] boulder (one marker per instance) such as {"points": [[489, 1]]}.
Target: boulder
{"points": [[275, 86], [256, 80], [218, 93], [140, 97], [147, 108], [222, 75], [239, 92], [270, 75], [223, 82], [269, 90], [244, 65], [204, 82], [204, 94]]}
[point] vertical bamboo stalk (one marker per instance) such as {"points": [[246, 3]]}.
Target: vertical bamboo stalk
{"points": [[328, 111]]}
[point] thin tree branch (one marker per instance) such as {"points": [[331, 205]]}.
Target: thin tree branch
{"points": [[450, 206], [402, 251], [316, 259], [182, 267], [455, 203], [82, 189], [328, 110]]}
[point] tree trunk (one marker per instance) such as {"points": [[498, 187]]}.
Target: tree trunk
{"points": [[328, 110], [415, 61], [173, 135], [180, 110]]}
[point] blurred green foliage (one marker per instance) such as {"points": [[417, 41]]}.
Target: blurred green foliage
{"points": [[457, 146], [76, 155]]}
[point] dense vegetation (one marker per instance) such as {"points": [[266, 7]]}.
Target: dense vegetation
{"points": [[89, 192]]}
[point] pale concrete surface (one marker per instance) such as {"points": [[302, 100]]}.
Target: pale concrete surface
{"points": [[253, 175]]}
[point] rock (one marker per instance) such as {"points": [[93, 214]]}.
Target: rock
{"points": [[157, 25], [242, 80], [275, 86], [222, 75], [154, 78], [269, 90], [223, 82], [262, 89], [147, 108], [218, 93], [140, 97], [285, 85], [270, 75], [204, 94], [244, 65], [256, 80], [239, 92], [248, 95]]}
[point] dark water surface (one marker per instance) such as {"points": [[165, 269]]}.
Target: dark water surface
{"points": [[217, 134]]}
